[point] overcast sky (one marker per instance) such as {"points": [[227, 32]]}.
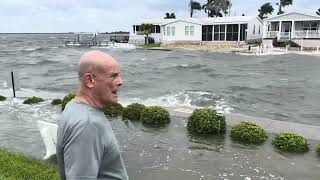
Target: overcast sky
{"points": [[111, 15]]}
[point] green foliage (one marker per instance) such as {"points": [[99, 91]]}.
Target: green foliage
{"points": [[216, 8], [155, 115], [206, 121], [170, 16], [147, 46], [265, 10], [114, 111], [56, 102], [291, 142], [17, 166], [66, 99], [318, 149], [249, 133], [318, 12], [133, 111], [33, 100], [2, 98]]}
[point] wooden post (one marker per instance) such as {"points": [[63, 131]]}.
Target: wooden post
{"points": [[13, 89]]}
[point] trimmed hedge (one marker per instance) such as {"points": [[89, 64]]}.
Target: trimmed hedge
{"points": [[33, 100], [249, 133], [206, 121], [2, 98], [18, 166], [114, 111], [155, 115], [56, 102], [133, 111], [66, 99], [291, 142], [318, 149]]}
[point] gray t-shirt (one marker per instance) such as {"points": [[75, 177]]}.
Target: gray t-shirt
{"points": [[86, 145]]}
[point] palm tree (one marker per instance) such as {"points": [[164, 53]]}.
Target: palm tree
{"points": [[172, 16], [264, 10], [318, 12], [167, 16], [215, 8], [194, 6], [146, 30], [283, 3]]}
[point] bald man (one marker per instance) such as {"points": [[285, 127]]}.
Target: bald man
{"points": [[86, 145]]}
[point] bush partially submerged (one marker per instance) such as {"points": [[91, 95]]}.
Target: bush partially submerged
{"points": [[56, 102], [114, 111], [318, 149], [206, 121], [18, 166], [2, 98], [249, 133], [66, 99], [291, 142], [155, 115], [133, 111], [33, 100]]}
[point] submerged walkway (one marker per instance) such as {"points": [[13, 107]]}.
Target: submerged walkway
{"points": [[272, 126]]}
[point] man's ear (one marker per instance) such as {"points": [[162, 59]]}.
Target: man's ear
{"points": [[88, 80]]}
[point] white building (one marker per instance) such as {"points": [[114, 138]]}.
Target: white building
{"points": [[296, 28], [208, 30]]}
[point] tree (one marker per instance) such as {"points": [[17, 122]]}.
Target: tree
{"points": [[147, 30], [265, 10], [283, 3], [318, 12], [194, 6], [215, 8], [170, 16]]}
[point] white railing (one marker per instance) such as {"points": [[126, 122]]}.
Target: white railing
{"points": [[294, 34], [306, 34]]}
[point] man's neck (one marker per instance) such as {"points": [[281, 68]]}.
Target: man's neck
{"points": [[87, 99]]}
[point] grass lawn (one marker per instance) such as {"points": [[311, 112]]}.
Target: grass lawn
{"points": [[18, 166]]}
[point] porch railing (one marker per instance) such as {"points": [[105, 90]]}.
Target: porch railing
{"points": [[294, 34]]}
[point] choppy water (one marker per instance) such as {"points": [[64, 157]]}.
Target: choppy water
{"points": [[282, 87]]}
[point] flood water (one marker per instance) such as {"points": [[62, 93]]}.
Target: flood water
{"points": [[282, 87]]}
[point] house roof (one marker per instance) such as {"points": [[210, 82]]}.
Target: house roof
{"points": [[231, 19], [293, 16]]}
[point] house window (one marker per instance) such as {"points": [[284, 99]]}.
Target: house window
{"points": [[173, 30], [186, 30], [158, 29], [232, 32], [164, 31], [207, 32], [134, 29], [219, 32], [314, 25], [259, 32], [168, 30], [254, 29], [192, 31]]}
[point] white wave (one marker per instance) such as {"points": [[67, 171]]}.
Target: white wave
{"points": [[184, 99], [125, 46], [24, 92]]}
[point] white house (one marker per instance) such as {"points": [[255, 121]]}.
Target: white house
{"points": [[208, 30], [297, 28]]}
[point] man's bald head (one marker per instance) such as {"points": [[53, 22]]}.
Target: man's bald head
{"points": [[94, 62]]}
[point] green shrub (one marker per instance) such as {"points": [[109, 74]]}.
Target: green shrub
{"points": [[291, 142], [114, 111], [17, 166], [66, 99], [2, 98], [33, 100], [155, 115], [133, 111], [206, 121], [318, 149], [56, 102], [249, 133]]}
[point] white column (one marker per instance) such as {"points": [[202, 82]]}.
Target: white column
{"points": [[265, 29], [225, 32], [293, 33], [239, 32], [280, 27]]}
